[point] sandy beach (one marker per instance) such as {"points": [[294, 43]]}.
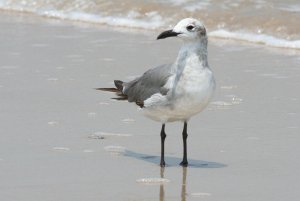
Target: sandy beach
{"points": [[61, 140]]}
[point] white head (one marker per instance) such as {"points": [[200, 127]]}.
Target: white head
{"points": [[186, 29]]}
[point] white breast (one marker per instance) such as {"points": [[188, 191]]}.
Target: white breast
{"points": [[194, 91]]}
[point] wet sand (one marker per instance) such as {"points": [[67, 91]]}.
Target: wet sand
{"points": [[63, 140]]}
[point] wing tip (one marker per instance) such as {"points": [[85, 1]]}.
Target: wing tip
{"points": [[140, 103]]}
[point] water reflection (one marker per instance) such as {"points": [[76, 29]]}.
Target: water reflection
{"points": [[183, 185], [173, 162], [161, 188]]}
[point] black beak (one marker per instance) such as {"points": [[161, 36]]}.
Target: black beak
{"points": [[166, 34]]}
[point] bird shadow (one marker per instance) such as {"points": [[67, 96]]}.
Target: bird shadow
{"points": [[173, 161]]}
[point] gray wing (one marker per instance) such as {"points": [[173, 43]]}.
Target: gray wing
{"points": [[151, 82]]}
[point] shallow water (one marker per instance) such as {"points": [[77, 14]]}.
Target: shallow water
{"points": [[272, 22]]}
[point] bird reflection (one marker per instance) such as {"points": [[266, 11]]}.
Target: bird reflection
{"points": [[183, 185], [161, 188]]}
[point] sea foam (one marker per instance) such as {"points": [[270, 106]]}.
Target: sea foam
{"points": [[164, 14], [256, 38]]}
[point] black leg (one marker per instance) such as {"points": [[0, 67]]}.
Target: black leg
{"points": [[162, 137], [184, 137]]}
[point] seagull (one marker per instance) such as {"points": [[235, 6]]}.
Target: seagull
{"points": [[176, 91]]}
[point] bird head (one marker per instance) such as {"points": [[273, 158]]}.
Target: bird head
{"points": [[186, 29]]}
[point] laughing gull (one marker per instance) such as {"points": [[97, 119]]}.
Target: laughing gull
{"points": [[177, 91]]}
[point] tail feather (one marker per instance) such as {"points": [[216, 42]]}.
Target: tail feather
{"points": [[108, 89], [120, 98], [118, 90]]}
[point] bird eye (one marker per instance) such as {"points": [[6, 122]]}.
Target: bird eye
{"points": [[190, 27]]}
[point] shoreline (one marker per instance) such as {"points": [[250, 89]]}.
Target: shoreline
{"points": [[223, 34]]}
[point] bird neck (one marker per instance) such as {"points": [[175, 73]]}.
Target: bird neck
{"points": [[192, 54], [192, 50]]}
